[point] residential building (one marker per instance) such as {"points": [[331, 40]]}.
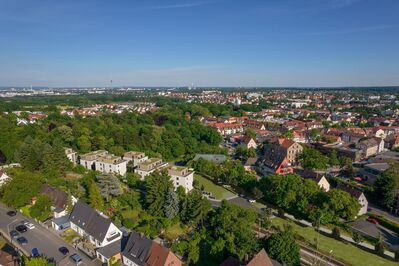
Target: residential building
{"points": [[226, 129], [142, 251], [112, 252], [72, 155], [274, 163], [288, 148], [182, 176], [88, 160], [7, 259], [90, 223], [369, 147], [147, 167], [104, 162], [111, 164], [249, 143], [359, 195], [3, 177], [135, 157], [319, 178]]}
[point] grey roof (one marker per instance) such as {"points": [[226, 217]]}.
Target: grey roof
{"points": [[90, 220], [216, 158], [137, 248], [61, 220], [114, 248], [381, 167]]}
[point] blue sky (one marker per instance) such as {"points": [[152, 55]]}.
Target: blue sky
{"points": [[205, 42]]}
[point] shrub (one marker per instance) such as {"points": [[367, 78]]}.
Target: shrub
{"points": [[336, 233]]}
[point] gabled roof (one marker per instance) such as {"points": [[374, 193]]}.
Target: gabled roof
{"points": [[137, 248], [57, 196], [260, 259], [95, 224], [352, 191], [272, 159]]}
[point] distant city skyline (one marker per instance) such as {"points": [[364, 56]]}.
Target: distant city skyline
{"points": [[208, 43]]}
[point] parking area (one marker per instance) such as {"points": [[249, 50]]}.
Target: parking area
{"points": [[46, 241]]}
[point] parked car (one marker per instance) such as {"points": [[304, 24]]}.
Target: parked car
{"points": [[63, 250], [35, 252], [252, 200], [25, 222], [372, 220], [21, 228], [22, 240], [76, 259], [14, 233], [30, 225], [11, 213]]}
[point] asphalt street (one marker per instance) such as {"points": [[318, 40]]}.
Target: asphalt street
{"points": [[46, 241]]}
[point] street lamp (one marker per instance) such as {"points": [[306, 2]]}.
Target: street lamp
{"points": [[331, 251]]}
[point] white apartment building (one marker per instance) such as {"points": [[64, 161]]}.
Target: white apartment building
{"points": [[104, 162], [111, 164], [182, 176], [88, 160], [135, 156], [147, 167]]}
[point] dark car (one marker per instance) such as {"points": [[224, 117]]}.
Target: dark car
{"points": [[11, 213], [22, 240], [76, 259], [64, 250], [21, 228], [14, 233]]}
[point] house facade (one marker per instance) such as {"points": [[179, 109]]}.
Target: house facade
{"points": [[109, 164], [142, 251], [93, 225], [359, 195], [182, 176]]}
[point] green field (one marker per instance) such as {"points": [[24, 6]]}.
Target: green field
{"points": [[343, 251], [218, 192]]}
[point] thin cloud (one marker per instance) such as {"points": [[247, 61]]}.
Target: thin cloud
{"points": [[182, 5], [348, 31]]}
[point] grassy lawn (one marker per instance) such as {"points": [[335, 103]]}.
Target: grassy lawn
{"points": [[131, 214], [26, 210], [218, 192], [174, 231], [341, 250], [69, 235]]}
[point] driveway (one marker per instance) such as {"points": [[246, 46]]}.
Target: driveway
{"points": [[46, 241]]}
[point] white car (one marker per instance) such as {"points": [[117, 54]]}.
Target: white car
{"points": [[252, 200], [30, 225]]}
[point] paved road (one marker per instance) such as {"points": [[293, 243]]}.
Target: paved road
{"points": [[389, 216], [41, 238]]}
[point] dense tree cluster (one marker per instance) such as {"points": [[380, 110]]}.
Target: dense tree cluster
{"points": [[306, 200]]}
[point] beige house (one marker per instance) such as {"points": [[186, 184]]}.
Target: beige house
{"points": [[147, 167], [369, 147], [289, 148]]}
